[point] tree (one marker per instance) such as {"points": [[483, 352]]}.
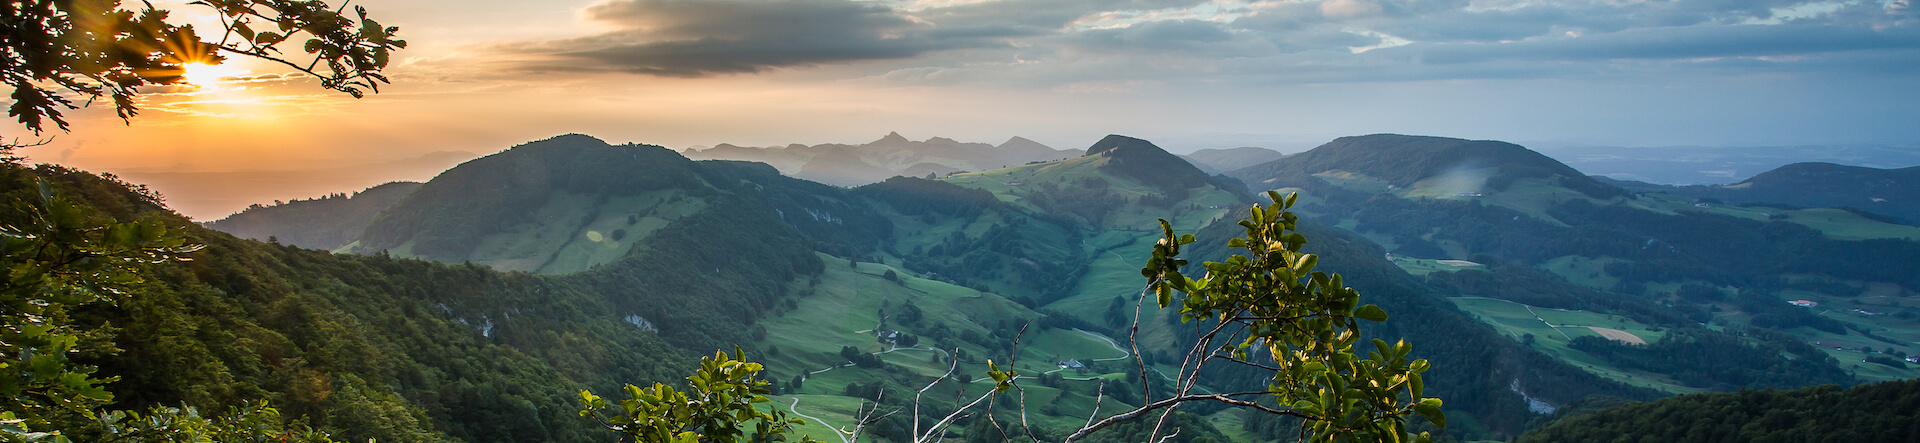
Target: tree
{"points": [[1305, 321], [62, 54], [58, 255]]}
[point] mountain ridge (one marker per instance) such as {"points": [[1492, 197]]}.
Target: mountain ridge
{"points": [[1889, 191], [1404, 160], [890, 155]]}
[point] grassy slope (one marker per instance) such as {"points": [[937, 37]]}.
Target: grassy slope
{"points": [[1533, 196], [572, 233], [1552, 329], [843, 310], [1117, 247]]}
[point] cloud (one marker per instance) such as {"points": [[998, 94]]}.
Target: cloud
{"points": [[1049, 43], [1349, 8], [690, 38], [1678, 43]]}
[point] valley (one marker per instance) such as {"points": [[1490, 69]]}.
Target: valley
{"points": [[1487, 255], [858, 221]]}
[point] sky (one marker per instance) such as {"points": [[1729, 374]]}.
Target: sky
{"points": [[484, 75]]}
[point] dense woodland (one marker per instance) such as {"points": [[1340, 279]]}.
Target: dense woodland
{"points": [[1888, 411], [408, 350], [327, 222]]}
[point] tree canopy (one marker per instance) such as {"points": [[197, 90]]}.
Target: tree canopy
{"points": [[61, 55]]}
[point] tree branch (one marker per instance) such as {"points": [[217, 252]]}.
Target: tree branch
{"points": [[1223, 398]]}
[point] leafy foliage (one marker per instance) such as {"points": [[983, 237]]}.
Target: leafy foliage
{"points": [[1486, 396], [95, 48], [403, 350], [1307, 323], [60, 257], [717, 409]]}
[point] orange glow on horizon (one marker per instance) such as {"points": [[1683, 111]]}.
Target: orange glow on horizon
{"points": [[206, 75]]}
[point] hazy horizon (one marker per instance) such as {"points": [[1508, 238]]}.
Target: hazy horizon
{"points": [[480, 75], [483, 75], [210, 194]]}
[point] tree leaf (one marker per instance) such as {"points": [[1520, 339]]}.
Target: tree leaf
{"points": [[1371, 313]]}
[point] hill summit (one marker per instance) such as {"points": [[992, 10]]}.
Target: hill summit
{"points": [[1894, 192], [1142, 161], [1406, 160]]}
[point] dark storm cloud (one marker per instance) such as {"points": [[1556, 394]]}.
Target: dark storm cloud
{"points": [[689, 38]]}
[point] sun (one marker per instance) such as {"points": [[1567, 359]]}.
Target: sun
{"points": [[205, 75]]}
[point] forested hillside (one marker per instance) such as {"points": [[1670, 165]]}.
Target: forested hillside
{"points": [[1676, 294], [1886, 192], [409, 350], [1888, 411], [327, 222]]}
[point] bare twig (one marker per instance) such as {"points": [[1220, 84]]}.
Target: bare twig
{"points": [[1223, 398], [952, 364], [1099, 393], [948, 421], [1133, 339]]}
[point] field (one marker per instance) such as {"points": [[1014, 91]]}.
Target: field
{"points": [[1121, 244], [1583, 271], [1874, 311], [1552, 329], [1835, 223], [572, 233], [1424, 266], [844, 311]]}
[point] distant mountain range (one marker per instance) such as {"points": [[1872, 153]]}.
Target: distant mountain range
{"points": [[1894, 192], [895, 155], [1215, 161], [1692, 165], [854, 165]]}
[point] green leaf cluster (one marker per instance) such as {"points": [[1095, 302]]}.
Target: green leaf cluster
{"points": [[717, 407], [1307, 322], [57, 256], [60, 55]]}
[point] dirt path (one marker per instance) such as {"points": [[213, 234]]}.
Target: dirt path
{"points": [[1083, 242], [1619, 335], [1116, 346], [1536, 316], [795, 407]]}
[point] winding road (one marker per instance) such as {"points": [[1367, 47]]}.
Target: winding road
{"points": [[795, 407]]}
